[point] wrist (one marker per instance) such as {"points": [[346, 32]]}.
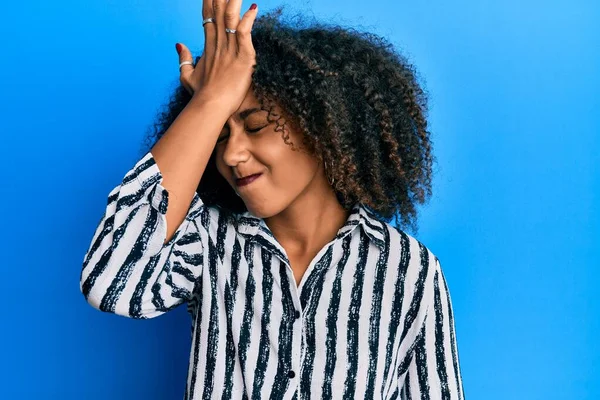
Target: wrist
{"points": [[215, 105]]}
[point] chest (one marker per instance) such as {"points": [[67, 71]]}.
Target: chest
{"points": [[337, 331], [299, 266]]}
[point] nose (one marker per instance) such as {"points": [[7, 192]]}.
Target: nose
{"points": [[237, 147]]}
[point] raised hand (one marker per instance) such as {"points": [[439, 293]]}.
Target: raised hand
{"points": [[224, 71]]}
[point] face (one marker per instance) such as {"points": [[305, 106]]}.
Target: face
{"points": [[249, 144]]}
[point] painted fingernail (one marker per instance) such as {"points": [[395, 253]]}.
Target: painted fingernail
{"points": [[178, 48], [253, 6]]}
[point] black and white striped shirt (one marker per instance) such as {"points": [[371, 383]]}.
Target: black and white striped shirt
{"points": [[370, 319]]}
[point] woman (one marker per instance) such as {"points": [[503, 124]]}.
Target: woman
{"points": [[264, 205]]}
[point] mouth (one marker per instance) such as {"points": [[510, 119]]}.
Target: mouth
{"points": [[247, 179]]}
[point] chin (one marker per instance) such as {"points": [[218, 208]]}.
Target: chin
{"points": [[258, 212], [261, 211]]}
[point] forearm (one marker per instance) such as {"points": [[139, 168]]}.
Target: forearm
{"points": [[183, 152]]}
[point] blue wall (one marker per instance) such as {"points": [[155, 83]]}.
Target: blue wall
{"points": [[514, 218]]}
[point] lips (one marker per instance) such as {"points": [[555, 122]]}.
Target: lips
{"points": [[246, 180]]}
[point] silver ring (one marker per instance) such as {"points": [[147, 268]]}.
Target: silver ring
{"points": [[207, 20], [230, 30], [186, 63]]}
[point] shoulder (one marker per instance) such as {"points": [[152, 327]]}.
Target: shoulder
{"points": [[417, 265], [398, 240], [418, 273]]}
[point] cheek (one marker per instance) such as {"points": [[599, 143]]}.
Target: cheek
{"points": [[220, 165], [293, 169]]}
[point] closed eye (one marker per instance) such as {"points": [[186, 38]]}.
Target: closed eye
{"points": [[222, 138]]}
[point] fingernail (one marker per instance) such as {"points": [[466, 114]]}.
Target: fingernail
{"points": [[178, 48], [253, 6]]}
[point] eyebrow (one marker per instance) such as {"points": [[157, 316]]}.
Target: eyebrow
{"points": [[244, 114]]}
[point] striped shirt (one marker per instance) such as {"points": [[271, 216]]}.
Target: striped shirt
{"points": [[370, 319]]}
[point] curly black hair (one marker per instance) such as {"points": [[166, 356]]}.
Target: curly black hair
{"points": [[357, 102]]}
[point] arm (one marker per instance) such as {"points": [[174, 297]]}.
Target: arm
{"points": [[128, 269], [434, 371], [148, 249]]}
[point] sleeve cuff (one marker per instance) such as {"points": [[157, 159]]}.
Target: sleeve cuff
{"points": [[158, 197]]}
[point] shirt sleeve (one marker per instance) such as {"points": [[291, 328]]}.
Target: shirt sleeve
{"points": [[128, 269], [434, 371]]}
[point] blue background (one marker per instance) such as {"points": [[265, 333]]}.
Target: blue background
{"points": [[514, 219]]}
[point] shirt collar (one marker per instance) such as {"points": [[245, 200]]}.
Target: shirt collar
{"points": [[256, 228]]}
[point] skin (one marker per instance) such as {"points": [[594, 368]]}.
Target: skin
{"points": [[292, 195]]}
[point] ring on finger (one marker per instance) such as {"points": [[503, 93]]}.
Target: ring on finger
{"points": [[207, 20], [228, 30], [186, 63]]}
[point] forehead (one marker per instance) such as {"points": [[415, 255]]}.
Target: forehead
{"points": [[250, 102], [249, 106], [250, 99]]}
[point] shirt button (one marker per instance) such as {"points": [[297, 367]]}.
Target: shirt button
{"points": [[297, 315], [291, 374]]}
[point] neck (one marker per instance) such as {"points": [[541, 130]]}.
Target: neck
{"points": [[308, 223]]}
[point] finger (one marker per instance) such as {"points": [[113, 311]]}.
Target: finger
{"points": [[210, 32], [186, 70], [244, 37], [219, 11], [185, 55], [232, 19]]}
